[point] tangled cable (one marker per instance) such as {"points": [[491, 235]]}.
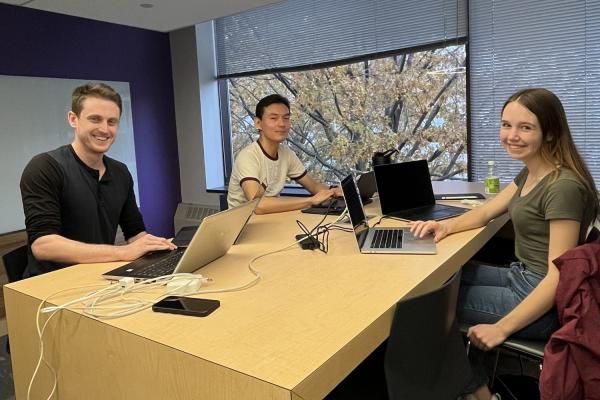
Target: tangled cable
{"points": [[320, 232]]}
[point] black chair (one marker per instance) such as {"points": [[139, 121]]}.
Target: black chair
{"points": [[426, 356], [532, 349], [15, 263]]}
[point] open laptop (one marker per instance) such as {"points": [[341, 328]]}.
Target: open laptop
{"points": [[211, 240], [405, 192], [366, 188], [380, 240]]}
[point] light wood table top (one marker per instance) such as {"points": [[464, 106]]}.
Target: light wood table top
{"points": [[296, 334]]}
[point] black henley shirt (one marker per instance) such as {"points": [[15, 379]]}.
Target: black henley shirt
{"points": [[63, 196]]}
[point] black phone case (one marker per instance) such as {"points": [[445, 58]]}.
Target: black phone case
{"points": [[211, 305]]}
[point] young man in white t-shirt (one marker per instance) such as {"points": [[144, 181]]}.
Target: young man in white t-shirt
{"points": [[261, 168]]}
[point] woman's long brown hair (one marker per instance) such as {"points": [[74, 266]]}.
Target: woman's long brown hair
{"points": [[558, 147]]}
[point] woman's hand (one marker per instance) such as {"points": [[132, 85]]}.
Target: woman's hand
{"points": [[421, 229], [486, 336]]}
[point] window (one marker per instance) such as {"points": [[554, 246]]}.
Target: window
{"points": [[362, 76], [414, 103], [551, 44]]}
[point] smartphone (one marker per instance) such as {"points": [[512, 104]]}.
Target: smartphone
{"points": [[186, 306]]}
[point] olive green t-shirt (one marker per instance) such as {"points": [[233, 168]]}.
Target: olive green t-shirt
{"points": [[563, 198]]}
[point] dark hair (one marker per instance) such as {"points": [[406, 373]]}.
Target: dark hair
{"points": [[267, 101], [98, 90], [557, 147]]}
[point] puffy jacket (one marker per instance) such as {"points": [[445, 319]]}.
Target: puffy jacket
{"points": [[572, 356]]}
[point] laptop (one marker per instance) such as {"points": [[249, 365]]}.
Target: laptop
{"points": [[211, 240], [366, 187], [381, 240], [405, 192]]}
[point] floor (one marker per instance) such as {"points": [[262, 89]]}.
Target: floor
{"points": [[7, 390], [517, 378]]}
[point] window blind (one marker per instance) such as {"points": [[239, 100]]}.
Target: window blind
{"points": [[516, 44], [298, 34]]}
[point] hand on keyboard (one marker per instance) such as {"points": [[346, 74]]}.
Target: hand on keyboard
{"points": [[143, 245], [321, 196], [333, 203]]}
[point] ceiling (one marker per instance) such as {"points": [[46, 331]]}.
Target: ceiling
{"points": [[163, 16]]}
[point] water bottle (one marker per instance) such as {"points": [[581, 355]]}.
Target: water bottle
{"points": [[491, 181]]}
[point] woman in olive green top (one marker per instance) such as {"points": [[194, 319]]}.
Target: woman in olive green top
{"points": [[551, 203]]}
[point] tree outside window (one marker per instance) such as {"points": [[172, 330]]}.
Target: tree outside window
{"points": [[414, 103]]}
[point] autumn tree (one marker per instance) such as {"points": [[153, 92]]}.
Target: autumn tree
{"points": [[414, 103]]}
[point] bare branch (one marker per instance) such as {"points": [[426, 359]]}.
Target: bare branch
{"points": [[453, 160]]}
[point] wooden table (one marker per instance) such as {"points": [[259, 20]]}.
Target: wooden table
{"points": [[311, 319]]}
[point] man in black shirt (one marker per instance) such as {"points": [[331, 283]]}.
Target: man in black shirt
{"points": [[75, 196]]}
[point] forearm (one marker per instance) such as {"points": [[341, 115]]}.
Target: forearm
{"points": [[136, 237], [60, 249], [315, 187], [472, 219], [270, 204], [480, 216], [539, 301], [312, 185]]}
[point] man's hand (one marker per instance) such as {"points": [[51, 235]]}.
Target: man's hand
{"points": [[486, 336], [143, 245], [321, 196], [337, 191]]}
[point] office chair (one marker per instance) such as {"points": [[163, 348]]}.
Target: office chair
{"points": [[533, 349], [15, 262], [426, 356]]}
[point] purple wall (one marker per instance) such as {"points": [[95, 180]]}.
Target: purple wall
{"points": [[43, 44]]}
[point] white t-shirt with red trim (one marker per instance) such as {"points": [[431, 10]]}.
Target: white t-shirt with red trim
{"points": [[252, 162]]}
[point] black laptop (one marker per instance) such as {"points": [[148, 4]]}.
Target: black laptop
{"points": [[405, 192], [366, 187]]}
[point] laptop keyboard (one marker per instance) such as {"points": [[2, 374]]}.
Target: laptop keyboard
{"points": [[387, 239], [165, 266], [332, 204]]}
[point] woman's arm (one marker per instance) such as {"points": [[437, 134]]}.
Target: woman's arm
{"points": [[564, 235], [472, 219]]}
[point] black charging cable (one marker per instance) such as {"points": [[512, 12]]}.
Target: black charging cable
{"points": [[387, 217], [310, 238]]}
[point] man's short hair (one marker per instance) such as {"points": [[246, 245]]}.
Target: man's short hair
{"points": [[98, 90], [267, 101]]}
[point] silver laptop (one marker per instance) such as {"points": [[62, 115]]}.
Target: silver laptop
{"points": [[380, 240], [213, 238]]}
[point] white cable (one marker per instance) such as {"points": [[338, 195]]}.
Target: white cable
{"points": [[139, 304], [41, 331], [253, 271], [106, 295]]}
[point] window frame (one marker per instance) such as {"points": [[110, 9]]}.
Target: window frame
{"points": [[225, 109]]}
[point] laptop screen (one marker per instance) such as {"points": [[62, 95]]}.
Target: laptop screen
{"points": [[403, 186], [353, 202], [366, 185]]}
